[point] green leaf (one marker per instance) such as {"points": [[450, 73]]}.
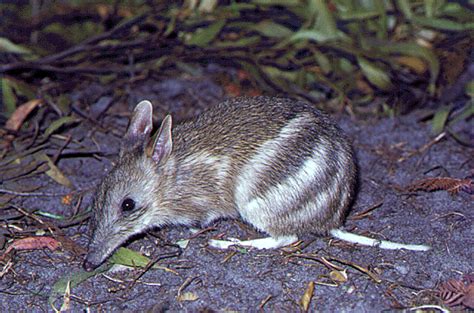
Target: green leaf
{"points": [[457, 11], [315, 35], [345, 65], [64, 103], [375, 74], [443, 24], [128, 257], [325, 22], [383, 21], [8, 96], [203, 36], [404, 6], [58, 124], [171, 25], [285, 3], [75, 32], [470, 89], [242, 42], [7, 46], [189, 68], [50, 215], [359, 14], [256, 74], [272, 29], [413, 49], [440, 118], [465, 114], [158, 63], [207, 6], [276, 73], [323, 61], [460, 138], [234, 7], [74, 279], [23, 89], [430, 8]]}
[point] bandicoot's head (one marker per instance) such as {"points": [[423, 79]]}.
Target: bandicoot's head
{"points": [[130, 199]]}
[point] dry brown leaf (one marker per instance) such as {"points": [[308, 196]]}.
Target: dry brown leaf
{"points": [[338, 276], [305, 300], [188, 296], [32, 243], [233, 89], [414, 63], [263, 302], [451, 185], [54, 172], [324, 260], [458, 292], [67, 199], [66, 306], [243, 75], [363, 86], [21, 113], [469, 297]]}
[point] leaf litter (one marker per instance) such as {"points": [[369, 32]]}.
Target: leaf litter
{"points": [[449, 184]]}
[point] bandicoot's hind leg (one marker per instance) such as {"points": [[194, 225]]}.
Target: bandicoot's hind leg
{"points": [[261, 243]]}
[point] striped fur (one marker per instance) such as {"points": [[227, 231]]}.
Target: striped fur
{"points": [[281, 165]]}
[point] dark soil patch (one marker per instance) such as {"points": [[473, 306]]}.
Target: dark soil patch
{"points": [[243, 280]]}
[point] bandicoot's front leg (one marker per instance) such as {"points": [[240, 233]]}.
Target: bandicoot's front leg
{"points": [[261, 243]]}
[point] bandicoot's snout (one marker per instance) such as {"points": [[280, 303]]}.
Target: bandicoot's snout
{"points": [[88, 266], [91, 262]]}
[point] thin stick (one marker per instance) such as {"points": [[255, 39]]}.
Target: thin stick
{"points": [[32, 194]]}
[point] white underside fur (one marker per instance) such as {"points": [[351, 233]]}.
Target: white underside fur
{"points": [[383, 244]]}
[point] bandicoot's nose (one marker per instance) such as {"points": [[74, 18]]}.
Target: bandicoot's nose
{"points": [[93, 259], [89, 266]]}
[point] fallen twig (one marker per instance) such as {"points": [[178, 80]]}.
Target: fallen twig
{"points": [[324, 261], [366, 212], [151, 264], [33, 194]]}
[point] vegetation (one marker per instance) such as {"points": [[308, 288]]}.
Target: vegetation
{"points": [[349, 51]]}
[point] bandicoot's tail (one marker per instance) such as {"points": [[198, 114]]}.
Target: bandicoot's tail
{"points": [[366, 241]]}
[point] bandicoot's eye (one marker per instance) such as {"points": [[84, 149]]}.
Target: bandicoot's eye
{"points": [[128, 204]]}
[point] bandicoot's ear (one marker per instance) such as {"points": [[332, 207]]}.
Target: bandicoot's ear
{"points": [[162, 145], [140, 127]]}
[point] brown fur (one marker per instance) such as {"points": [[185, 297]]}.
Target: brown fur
{"points": [[196, 181]]}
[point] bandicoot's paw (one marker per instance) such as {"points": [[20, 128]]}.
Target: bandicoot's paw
{"points": [[261, 243], [224, 244]]}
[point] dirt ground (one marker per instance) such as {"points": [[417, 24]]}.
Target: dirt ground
{"points": [[392, 153]]}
